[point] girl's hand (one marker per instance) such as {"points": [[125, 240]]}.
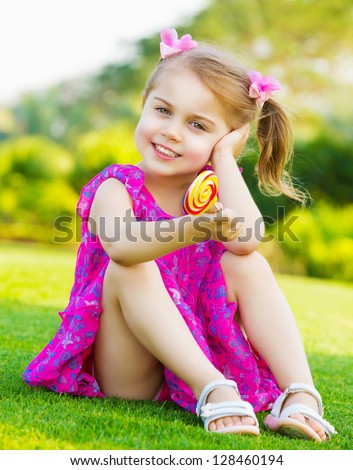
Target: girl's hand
{"points": [[219, 224], [231, 144]]}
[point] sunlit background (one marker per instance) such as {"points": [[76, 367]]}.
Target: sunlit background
{"points": [[71, 77], [43, 42]]}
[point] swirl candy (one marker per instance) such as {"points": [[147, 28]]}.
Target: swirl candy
{"points": [[202, 193]]}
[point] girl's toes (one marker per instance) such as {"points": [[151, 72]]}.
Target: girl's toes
{"points": [[247, 421], [312, 423], [226, 422], [217, 424], [229, 421], [212, 426], [299, 417], [221, 423], [317, 428]]}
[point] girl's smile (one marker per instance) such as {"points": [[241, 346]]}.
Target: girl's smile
{"points": [[165, 152]]}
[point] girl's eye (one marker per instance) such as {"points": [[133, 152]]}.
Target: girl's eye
{"points": [[162, 110], [197, 125]]}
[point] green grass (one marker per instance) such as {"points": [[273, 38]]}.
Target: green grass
{"points": [[34, 285]]}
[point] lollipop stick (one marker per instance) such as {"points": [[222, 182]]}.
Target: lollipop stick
{"points": [[217, 206]]}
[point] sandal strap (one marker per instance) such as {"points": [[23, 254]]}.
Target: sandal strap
{"points": [[309, 413], [212, 386], [212, 411], [294, 388]]}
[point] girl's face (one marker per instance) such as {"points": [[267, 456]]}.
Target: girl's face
{"points": [[180, 124]]}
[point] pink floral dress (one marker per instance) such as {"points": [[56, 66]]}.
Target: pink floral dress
{"points": [[194, 280]]}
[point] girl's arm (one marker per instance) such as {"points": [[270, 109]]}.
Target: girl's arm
{"points": [[128, 241], [234, 193]]}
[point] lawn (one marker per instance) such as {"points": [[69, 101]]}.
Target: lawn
{"points": [[35, 284]]}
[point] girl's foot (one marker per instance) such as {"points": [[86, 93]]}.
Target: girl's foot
{"points": [[297, 412], [222, 394], [306, 399], [223, 411]]}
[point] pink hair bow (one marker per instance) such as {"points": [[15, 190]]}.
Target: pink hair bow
{"points": [[171, 45], [261, 87]]}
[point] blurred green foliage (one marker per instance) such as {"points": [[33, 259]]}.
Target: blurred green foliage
{"points": [[321, 244], [324, 161], [54, 141], [99, 148], [34, 186]]}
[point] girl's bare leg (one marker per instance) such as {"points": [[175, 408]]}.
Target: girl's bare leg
{"points": [[269, 324], [141, 329]]}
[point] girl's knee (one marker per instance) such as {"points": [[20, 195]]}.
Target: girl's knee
{"points": [[116, 276], [244, 265], [131, 280], [117, 272], [240, 271]]}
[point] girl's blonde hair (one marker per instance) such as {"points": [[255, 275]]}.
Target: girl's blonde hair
{"points": [[229, 82]]}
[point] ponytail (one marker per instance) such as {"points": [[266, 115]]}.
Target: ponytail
{"points": [[275, 136]]}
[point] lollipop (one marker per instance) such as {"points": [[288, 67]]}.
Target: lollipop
{"points": [[202, 193]]}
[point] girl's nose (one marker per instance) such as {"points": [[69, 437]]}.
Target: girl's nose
{"points": [[172, 132]]}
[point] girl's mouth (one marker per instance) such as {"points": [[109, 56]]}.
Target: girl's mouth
{"points": [[165, 152]]}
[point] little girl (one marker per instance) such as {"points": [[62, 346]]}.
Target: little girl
{"points": [[151, 314]]}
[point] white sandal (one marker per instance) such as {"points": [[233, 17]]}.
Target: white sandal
{"points": [[211, 411], [279, 420]]}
